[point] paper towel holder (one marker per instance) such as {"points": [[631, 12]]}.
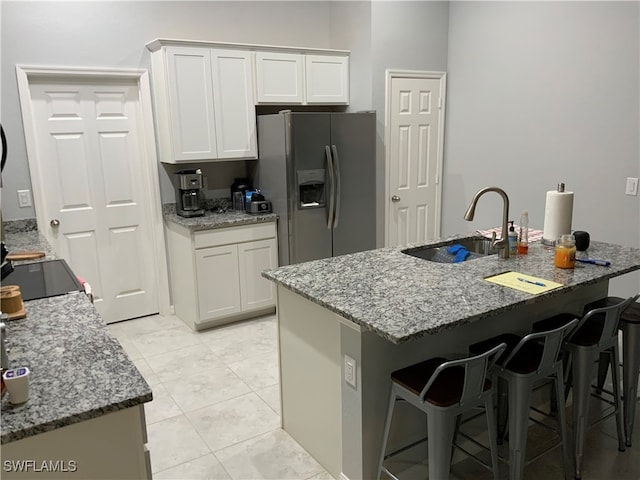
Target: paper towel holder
{"points": [[551, 231]]}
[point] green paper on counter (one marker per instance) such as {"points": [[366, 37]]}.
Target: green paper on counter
{"points": [[523, 282]]}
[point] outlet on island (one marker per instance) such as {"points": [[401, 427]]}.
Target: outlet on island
{"points": [[350, 371]]}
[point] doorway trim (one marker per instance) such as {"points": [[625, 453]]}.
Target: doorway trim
{"points": [[390, 75], [149, 164]]}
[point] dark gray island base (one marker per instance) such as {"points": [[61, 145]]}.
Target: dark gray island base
{"points": [[386, 310]]}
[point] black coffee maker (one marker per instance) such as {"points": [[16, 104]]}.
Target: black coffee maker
{"points": [[188, 196]]}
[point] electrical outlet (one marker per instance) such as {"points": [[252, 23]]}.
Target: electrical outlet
{"points": [[632, 186], [24, 198], [350, 371]]}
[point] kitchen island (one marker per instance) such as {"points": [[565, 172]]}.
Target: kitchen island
{"points": [[376, 311]]}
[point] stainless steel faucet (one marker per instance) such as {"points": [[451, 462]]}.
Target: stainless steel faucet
{"points": [[503, 244]]}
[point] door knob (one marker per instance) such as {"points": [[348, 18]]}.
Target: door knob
{"points": [[54, 223], [395, 198]]}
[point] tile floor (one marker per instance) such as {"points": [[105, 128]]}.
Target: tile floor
{"points": [[216, 412]]}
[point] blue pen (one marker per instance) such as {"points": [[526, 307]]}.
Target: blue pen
{"points": [[593, 261], [540, 284]]}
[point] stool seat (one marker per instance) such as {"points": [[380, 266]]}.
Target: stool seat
{"points": [[446, 390]]}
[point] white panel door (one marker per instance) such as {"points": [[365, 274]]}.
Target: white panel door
{"points": [[234, 109], [191, 103], [88, 151], [327, 79], [280, 77], [218, 281], [254, 257], [414, 160]]}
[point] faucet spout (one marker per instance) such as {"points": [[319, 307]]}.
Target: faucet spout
{"points": [[503, 244]]}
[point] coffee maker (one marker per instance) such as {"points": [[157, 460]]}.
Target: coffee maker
{"points": [[188, 197]]}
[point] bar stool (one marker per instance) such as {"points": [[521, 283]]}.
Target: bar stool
{"points": [[630, 327], [527, 363], [595, 334], [444, 390]]}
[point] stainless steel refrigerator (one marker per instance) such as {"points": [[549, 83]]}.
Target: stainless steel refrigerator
{"points": [[318, 171]]}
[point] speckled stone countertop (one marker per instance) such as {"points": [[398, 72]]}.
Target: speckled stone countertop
{"points": [[401, 297], [216, 218], [77, 370], [23, 236]]}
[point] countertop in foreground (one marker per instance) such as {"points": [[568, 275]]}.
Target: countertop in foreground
{"points": [[78, 371], [401, 297]]}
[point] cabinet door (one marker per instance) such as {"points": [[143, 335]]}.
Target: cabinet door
{"points": [[233, 104], [327, 79], [279, 77], [254, 257], [191, 103], [218, 282]]}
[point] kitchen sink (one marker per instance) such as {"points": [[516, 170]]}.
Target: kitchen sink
{"points": [[477, 247]]}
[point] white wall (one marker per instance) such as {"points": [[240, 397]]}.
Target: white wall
{"points": [[113, 34], [539, 93], [404, 35]]}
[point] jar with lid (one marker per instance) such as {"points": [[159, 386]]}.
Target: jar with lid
{"points": [[565, 254]]}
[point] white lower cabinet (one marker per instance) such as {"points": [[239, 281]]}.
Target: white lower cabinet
{"points": [[216, 274], [108, 446]]}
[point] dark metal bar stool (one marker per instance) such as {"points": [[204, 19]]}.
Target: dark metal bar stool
{"points": [[444, 390], [527, 363], [630, 327], [595, 338]]}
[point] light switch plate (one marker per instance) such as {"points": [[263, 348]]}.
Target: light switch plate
{"points": [[24, 198], [632, 186]]}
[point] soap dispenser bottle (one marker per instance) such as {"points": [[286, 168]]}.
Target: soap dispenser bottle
{"points": [[513, 240]]}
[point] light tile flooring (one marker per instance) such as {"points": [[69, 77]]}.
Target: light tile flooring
{"points": [[216, 411]]}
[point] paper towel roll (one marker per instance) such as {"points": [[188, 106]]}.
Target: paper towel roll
{"points": [[558, 213]]}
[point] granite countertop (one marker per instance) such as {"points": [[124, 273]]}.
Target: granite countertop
{"points": [[216, 218], [21, 237], [77, 370], [72, 358], [401, 297]]}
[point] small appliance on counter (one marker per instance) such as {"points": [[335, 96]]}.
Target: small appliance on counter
{"points": [[239, 188], [256, 203], [188, 195]]}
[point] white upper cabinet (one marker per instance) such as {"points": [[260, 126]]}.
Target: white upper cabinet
{"points": [[233, 104], [190, 113], [204, 104], [205, 93], [279, 77], [327, 79], [303, 79]]}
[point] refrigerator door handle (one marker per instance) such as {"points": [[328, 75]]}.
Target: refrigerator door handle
{"points": [[336, 166], [332, 182]]}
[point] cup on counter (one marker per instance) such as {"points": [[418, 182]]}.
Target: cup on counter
{"points": [[238, 201], [16, 381], [565, 253]]}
